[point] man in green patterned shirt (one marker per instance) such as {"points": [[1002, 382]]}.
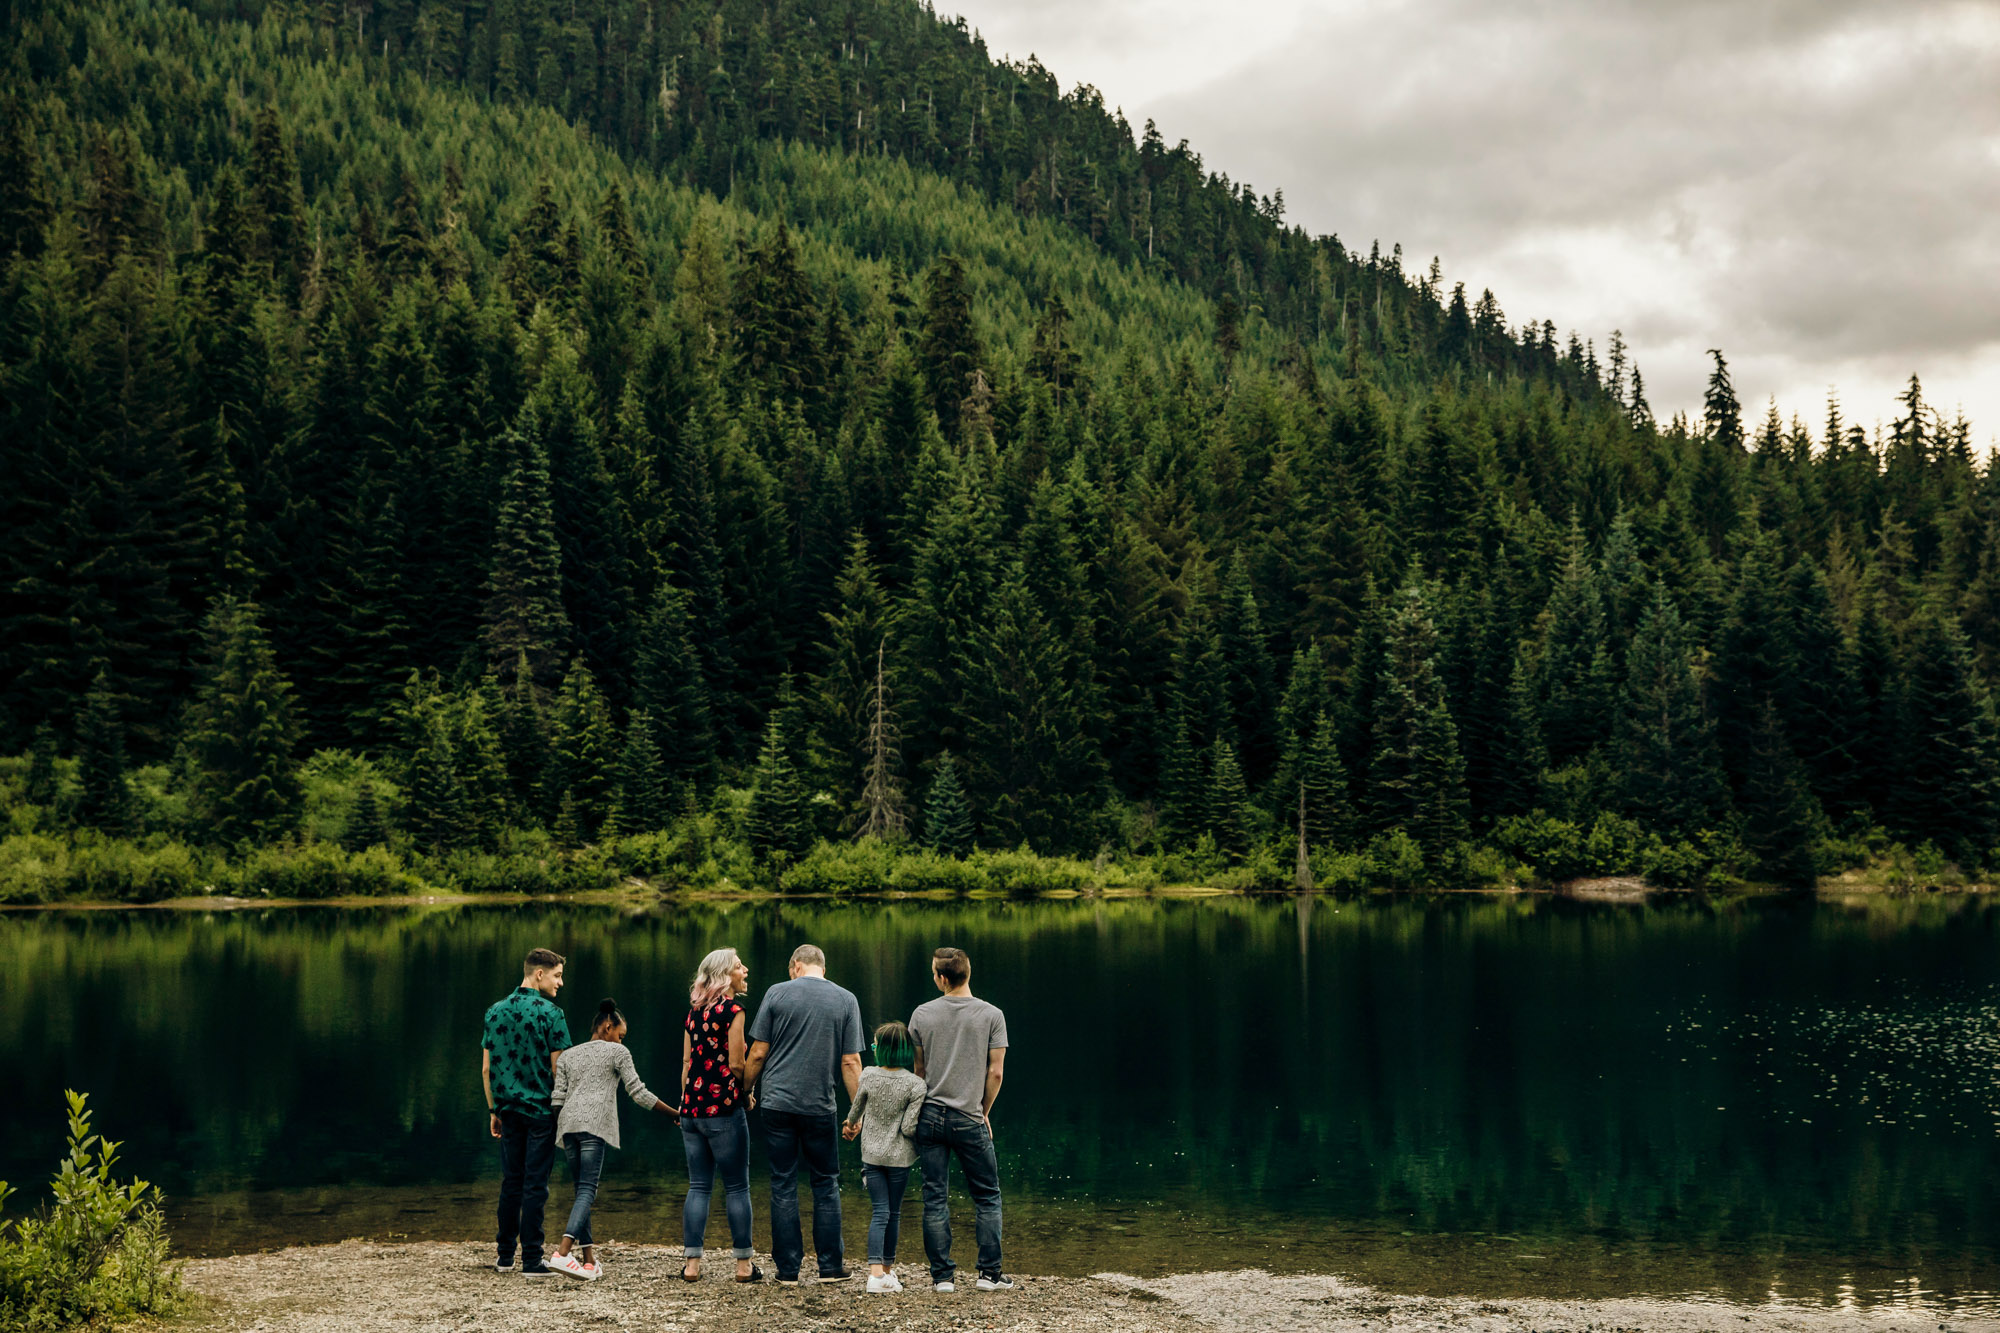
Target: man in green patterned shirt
{"points": [[517, 1064]]}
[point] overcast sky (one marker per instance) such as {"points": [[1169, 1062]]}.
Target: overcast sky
{"points": [[1811, 185]]}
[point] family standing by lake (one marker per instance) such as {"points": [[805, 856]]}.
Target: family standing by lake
{"points": [[925, 1102]]}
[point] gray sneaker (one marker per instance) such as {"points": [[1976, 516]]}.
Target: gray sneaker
{"points": [[995, 1282]]}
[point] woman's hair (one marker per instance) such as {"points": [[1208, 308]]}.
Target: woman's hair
{"points": [[894, 1048], [607, 1015], [711, 979]]}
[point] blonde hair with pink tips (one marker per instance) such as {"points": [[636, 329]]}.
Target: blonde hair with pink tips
{"points": [[711, 979]]}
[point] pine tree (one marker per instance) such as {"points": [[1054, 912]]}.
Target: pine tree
{"points": [[669, 685], [1033, 764], [42, 787], [1947, 784], [240, 732], [1573, 678], [840, 697], [524, 742], [1781, 820], [1720, 410], [365, 826], [525, 619], [777, 823], [947, 814], [1669, 774], [948, 344], [1416, 779], [1247, 672], [1228, 803], [644, 803], [1824, 712], [104, 801], [1326, 809], [583, 752]]}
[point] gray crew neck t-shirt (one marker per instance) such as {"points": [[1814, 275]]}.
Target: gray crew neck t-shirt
{"points": [[810, 1023], [955, 1032]]}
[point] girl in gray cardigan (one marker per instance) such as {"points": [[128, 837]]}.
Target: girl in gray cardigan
{"points": [[586, 1102], [884, 1117]]}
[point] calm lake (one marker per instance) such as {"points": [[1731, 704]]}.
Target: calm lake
{"points": [[1487, 1095]]}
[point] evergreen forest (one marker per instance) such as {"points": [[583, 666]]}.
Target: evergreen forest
{"points": [[506, 444]]}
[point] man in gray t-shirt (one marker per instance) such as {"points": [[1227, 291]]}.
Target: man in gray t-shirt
{"points": [[961, 1056], [806, 1034]]}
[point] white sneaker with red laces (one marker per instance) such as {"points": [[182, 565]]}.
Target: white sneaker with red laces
{"points": [[573, 1266]]}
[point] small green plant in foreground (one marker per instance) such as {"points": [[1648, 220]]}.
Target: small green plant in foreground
{"points": [[97, 1251]]}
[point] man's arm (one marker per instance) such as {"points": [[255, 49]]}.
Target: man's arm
{"points": [[850, 1073], [746, 1065], [996, 1069], [486, 1082], [918, 1067]]}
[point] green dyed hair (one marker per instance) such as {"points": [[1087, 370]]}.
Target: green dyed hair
{"points": [[894, 1047]]}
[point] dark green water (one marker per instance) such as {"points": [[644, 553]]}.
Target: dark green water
{"points": [[1487, 1095]]}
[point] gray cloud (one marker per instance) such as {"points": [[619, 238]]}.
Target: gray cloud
{"points": [[1812, 184]]}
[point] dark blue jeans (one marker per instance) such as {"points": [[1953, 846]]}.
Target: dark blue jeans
{"points": [[527, 1151], [942, 1134], [716, 1145], [586, 1164], [791, 1137], [885, 1224]]}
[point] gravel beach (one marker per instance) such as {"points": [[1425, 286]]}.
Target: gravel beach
{"points": [[364, 1287]]}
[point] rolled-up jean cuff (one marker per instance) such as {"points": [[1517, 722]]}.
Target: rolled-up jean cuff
{"points": [[690, 1251], [744, 1253]]}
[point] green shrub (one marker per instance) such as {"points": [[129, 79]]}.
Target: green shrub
{"points": [[1022, 871], [1709, 858], [329, 782], [33, 868], [1560, 849], [1395, 861], [863, 866], [96, 1253], [530, 864], [324, 870], [87, 865], [922, 870]]}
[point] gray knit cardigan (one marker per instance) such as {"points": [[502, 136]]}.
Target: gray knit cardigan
{"points": [[586, 1092]]}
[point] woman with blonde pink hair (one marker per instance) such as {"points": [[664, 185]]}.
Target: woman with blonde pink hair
{"points": [[715, 1130]]}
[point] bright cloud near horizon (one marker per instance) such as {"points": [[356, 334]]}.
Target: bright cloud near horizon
{"points": [[1811, 185]]}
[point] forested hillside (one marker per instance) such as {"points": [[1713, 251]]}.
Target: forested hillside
{"points": [[430, 423]]}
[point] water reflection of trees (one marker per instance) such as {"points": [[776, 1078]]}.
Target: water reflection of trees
{"points": [[1465, 1064]]}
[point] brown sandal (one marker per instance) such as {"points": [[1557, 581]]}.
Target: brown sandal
{"points": [[687, 1276], [756, 1275]]}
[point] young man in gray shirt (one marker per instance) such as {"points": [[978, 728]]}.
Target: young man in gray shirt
{"points": [[807, 1032], [961, 1056]]}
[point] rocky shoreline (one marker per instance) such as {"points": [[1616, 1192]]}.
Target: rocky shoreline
{"points": [[364, 1287]]}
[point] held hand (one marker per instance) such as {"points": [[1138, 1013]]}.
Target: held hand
{"points": [[665, 1109], [493, 1123], [753, 1099], [850, 1131]]}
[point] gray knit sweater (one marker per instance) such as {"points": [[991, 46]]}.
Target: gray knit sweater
{"points": [[887, 1105], [586, 1092]]}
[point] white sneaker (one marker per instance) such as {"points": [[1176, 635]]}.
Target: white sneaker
{"points": [[886, 1283], [998, 1282], [947, 1286], [572, 1266]]}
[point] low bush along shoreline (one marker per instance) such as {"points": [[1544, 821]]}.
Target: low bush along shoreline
{"points": [[338, 852]]}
